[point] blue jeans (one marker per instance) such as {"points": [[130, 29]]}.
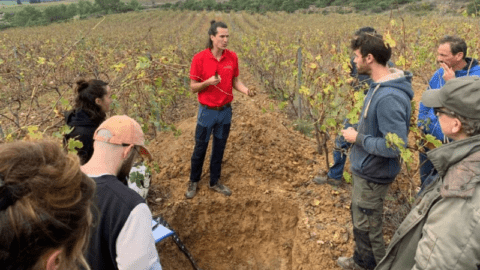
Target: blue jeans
{"points": [[210, 122], [339, 157]]}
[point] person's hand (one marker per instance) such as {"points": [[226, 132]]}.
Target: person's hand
{"points": [[214, 80], [350, 134], [448, 73]]}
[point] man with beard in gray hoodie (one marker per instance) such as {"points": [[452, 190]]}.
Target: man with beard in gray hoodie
{"points": [[374, 166]]}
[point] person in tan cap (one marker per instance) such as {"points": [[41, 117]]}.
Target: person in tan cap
{"points": [[123, 238], [443, 229]]}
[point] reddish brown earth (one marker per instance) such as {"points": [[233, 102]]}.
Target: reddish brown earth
{"points": [[276, 217]]}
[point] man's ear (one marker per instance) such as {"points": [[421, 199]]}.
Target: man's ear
{"points": [[98, 101], [459, 56], [53, 260], [126, 151], [457, 126], [369, 58]]}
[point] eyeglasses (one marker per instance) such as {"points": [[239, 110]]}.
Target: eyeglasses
{"points": [[438, 111]]}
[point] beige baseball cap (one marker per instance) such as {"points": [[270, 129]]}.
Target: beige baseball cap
{"points": [[125, 131]]}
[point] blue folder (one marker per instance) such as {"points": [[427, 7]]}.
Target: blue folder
{"points": [[160, 232]]}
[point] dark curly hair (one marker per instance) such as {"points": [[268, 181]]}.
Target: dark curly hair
{"points": [[87, 93], [372, 43]]}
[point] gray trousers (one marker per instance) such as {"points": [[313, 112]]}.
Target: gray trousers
{"points": [[367, 211]]}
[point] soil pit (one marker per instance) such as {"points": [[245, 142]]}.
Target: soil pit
{"points": [[233, 234]]}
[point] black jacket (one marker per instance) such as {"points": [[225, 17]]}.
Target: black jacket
{"points": [[84, 128], [115, 202]]}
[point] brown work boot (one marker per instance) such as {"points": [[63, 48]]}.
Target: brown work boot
{"points": [[348, 263], [324, 179], [192, 190], [221, 189]]}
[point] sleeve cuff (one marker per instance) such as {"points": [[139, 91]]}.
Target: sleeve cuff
{"points": [[359, 139]]}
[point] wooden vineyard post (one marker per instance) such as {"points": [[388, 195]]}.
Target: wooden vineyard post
{"points": [[299, 62]]}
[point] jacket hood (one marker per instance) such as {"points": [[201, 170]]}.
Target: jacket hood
{"points": [[449, 154], [79, 118], [471, 63], [398, 79]]}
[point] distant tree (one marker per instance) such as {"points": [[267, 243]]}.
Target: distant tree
{"points": [[27, 16], [19, 2], [107, 5], [84, 7], [209, 4]]}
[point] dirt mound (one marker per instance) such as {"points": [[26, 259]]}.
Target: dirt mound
{"points": [[276, 217]]}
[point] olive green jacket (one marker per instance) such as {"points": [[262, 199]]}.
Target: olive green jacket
{"points": [[442, 231]]}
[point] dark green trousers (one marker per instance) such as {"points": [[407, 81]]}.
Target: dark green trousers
{"points": [[367, 211]]}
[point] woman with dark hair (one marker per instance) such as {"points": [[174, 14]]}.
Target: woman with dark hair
{"points": [[91, 105], [46, 205]]}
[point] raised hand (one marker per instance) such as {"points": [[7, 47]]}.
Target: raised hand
{"points": [[448, 73]]}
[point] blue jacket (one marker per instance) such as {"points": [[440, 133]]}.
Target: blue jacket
{"points": [[387, 109], [426, 117]]}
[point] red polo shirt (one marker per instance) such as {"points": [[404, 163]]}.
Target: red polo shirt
{"points": [[204, 66]]}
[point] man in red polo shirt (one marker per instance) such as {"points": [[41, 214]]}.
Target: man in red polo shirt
{"points": [[213, 74]]}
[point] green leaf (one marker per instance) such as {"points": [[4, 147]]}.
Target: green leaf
{"points": [[347, 176], [137, 178], [331, 122], [64, 101], [73, 145], [431, 139]]}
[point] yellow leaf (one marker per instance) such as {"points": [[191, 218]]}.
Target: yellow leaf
{"points": [[41, 60], [304, 90], [313, 66], [389, 40], [316, 202]]}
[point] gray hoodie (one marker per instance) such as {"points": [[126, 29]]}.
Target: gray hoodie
{"points": [[387, 109]]}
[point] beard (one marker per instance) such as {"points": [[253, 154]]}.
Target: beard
{"points": [[124, 170], [363, 70]]}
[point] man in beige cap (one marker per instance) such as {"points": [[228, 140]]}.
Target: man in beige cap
{"points": [[443, 229], [123, 237]]}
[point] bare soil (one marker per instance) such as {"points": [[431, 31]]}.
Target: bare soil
{"points": [[276, 218]]}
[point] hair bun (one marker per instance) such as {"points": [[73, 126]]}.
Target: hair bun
{"points": [[212, 22], [81, 85]]}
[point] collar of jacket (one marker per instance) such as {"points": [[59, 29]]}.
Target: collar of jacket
{"points": [[470, 63], [449, 154], [457, 165]]}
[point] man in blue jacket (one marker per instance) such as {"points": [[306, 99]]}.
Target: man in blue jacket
{"points": [[451, 55], [374, 166]]}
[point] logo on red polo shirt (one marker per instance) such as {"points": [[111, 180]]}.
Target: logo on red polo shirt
{"points": [[227, 67]]}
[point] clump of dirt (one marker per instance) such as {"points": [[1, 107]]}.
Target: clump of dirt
{"points": [[276, 217]]}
